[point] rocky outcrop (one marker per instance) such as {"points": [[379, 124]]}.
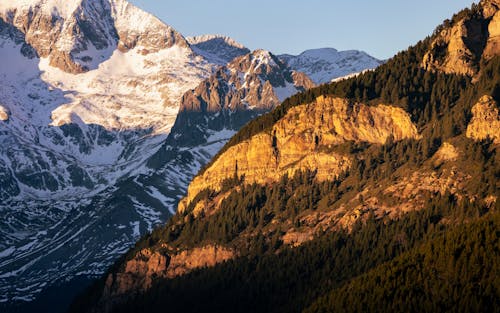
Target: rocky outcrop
{"points": [[188, 260], [449, 52], [4, 114], [139, 273], [304, 140], [485, 122], [302, 80], [447, 152], [460, 47], [493, 44]]}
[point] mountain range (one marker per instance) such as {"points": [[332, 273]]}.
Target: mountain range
{"points": [[375, 193], [106, 114]]}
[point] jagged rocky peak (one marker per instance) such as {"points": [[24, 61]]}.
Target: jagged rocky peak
{"points": [[217, 49], [264, 64], [326, 64], [78, 35], [490, 7], [236, 93], [461, 43], [246, 82]]}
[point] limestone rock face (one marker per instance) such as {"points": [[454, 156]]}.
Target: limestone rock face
{"points": [[490, 7], [449, 52], [188, 260], [303, 140], [139, 273], [493, 43], [460, 47], [485, 121]]}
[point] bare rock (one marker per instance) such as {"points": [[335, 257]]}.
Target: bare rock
{"points": [[459, 48], [4, 114], [188, 260], [485, 122], [447, 152], [139, 273], [493, 43], [64, 61]]}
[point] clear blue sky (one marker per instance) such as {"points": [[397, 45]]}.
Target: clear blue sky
{"points": [[380, 28]]}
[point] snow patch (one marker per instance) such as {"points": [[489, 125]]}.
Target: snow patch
{"points": [[284, 92], [224, 134], [135, 229], [7, 252]]}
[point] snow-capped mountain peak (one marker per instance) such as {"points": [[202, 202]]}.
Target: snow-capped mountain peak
{"points": [[325, 64], [77, 35], [194, 40], [89, 89], [217, 48]]}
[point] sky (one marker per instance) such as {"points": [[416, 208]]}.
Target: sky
{"points": [[380, 28]]}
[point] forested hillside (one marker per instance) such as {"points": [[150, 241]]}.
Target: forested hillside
{"points": [[376, 193]]}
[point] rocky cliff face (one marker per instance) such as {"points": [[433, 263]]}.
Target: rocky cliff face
{"points": [[303, 140], [458, 48], [491, 10], [148, 266], [485, 122]]}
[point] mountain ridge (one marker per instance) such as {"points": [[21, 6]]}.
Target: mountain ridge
{"points": [[364, 175], [217, 49], [89, 94], [325, 64]]}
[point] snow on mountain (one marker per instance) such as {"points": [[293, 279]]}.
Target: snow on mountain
{"points": [[326, 64], [217, 49], [89, 90], [124, 72]]}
